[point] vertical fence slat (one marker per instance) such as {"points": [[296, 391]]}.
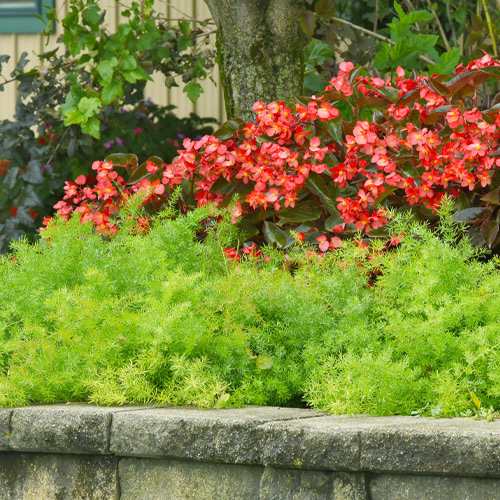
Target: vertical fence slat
{"points": [[208, 105], [8, 96], [179, 9], [112, 12], [156, 90], [31, 45]]}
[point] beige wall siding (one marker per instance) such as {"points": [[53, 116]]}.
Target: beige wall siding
{"points": [[210, 103]]}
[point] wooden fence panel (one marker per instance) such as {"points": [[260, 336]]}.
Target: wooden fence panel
{"points": [[8, 45], [210, 103]]}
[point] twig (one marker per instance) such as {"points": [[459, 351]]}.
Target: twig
{"points": [[376, 16], [440, 26], [377, 36], [453, 33], [363, 30], [168, 4], [57, 147], [412, 8], [490, 29]]}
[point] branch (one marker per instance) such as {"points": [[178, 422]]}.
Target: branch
{"points": [[440, 26], [377, 36], [57, 146], [490, 29], [448, 13], [168, 4]]}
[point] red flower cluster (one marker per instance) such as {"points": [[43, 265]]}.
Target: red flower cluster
{"points": [[420, 144]]}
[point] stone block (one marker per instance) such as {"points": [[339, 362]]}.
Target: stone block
{"points": [[61, 429], [5, 416], [322, 443], [34, 476], [407, 487], [228, 436], [281, 484], [458, 446], [153, 479]]}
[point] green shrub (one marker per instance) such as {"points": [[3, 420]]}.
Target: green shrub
{"points": [[164, 318]]}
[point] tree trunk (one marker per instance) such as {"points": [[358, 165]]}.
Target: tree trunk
{"points": [[260, 51]]}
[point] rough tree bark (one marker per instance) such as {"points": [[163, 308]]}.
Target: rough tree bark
{"points": [[261, 51]]}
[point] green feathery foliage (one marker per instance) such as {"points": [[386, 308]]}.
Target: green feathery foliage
{"points": [[165, 318]]}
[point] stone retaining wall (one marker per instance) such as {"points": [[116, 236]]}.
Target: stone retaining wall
{"points": [[254, 453]]}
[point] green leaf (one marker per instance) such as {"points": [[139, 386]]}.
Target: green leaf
{"points": [[449, 61], [183, 43], [333, 221], [307, 20], [489, 230], [317, 185], [331, 206], [73, 116], [92, 16], [298, 214], [69, 104], [10, 178], [380, 232], [370, 101], [438, 87], [390, 93], [474, 214], [222, 186], [184, 27], [248, 229], [138, 174], [193, 90], [89, 106], [123, 160], [492, 197], [274, 235], [133, 75], [105, 68], [399, 11], [92, 127], [317, 53], [222, 401], [128, 61], [492, 70], [409, 170], [378, 118], [313, 82], [34, 173], [264, 362], [457, 83], [111, 92], [325, 8], [384, 195], [227, 130]]}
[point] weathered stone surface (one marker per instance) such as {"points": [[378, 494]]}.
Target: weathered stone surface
{"points": [[209, 435], [256, 453], [61, 428], [406, 487], [457, 446], [153, 479], [462, 447], [280, 484], [34, 476], [329, 443], [5, 415]]}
